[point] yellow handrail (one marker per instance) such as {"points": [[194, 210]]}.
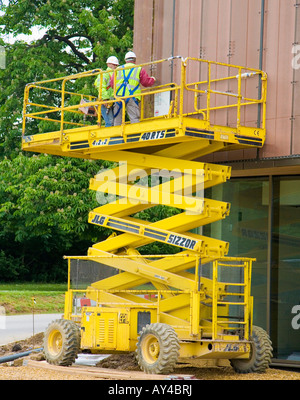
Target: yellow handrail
{"points": [[208, 88]]}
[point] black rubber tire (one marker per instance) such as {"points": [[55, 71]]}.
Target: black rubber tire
{"points": [[157, 349], [61, 342], [261, 354]]}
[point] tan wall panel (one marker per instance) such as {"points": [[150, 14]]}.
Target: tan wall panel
{"points": [[238, 37], [183, 42], [237, 51], [193, 46], [188, 28], [143, 12], [279, 38], [211, 46], [296, 136], [296, 87], [270, 66], [163, 29], [195, 28], [271, 56], [223, 31], [269, 148], [253, 33], [283, 137], [210, 29], [229, 31], [223, 39], [162, 38], [285, 72], [252, 60], [244, 51]]}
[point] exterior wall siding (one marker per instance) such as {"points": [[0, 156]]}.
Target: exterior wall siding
{"points": [[230, 31]]}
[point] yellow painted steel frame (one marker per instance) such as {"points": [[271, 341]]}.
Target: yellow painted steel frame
{"points": [[202, 321], [81, 138], [155, 167]]}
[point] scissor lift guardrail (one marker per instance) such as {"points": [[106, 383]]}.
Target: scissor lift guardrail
{"points": [[70, 135]]}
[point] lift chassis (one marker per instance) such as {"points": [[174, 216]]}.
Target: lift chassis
{"points": [[195, 303]]}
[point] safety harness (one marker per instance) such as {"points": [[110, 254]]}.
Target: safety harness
{"points": [[121, 92]]}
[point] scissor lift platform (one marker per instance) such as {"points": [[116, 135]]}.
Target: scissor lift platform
{"points": [[91, 141], [210, 115]]}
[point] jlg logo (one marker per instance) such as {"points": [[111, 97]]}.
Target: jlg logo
{"points": [[296, 319]]}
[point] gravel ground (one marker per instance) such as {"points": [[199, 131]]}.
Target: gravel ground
{"points": [[16, 371], [128, 362], [220, 373], [35, 374]]}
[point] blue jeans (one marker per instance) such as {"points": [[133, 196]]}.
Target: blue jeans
{"points": [[107, 115]]}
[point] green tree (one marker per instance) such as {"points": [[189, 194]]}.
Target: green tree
{"points": [[44, 209], [45, 200]]}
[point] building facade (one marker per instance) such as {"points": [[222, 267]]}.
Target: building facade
{"points": [[264, 191]]}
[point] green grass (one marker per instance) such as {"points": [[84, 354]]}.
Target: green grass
{"points": [[57, 287], [17, 298]]}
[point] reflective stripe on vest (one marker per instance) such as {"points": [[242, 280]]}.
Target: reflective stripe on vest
{"points": [[128, 81]]}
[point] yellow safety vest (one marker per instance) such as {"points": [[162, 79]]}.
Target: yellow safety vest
{"points": [[128, 81], [107, 92]]}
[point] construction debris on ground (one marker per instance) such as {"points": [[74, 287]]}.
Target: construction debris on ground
{"points": [[115, 367]]}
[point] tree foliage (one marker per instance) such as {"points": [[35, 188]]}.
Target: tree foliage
{"points": [[44, 209], [45, 200]]}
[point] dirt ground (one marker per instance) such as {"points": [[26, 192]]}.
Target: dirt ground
{"points": [[15, 370]]}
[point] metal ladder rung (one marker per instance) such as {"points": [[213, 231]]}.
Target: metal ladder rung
{"points": [[231, 302], [231, 322], [235, 294], [232, 265], [230, 284]]}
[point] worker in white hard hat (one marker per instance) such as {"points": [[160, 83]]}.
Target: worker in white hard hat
{"points": [[128, 83], [107, 92]]}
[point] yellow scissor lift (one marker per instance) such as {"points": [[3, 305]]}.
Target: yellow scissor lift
{"points": [[195, 303]]}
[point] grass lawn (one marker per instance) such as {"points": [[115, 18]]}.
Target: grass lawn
{"points": [[16, 298]]}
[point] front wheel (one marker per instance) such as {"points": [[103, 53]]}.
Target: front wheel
{"points": [[260, 355], [157, 349], [61, 342]]}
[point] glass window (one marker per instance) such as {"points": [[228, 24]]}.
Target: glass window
{"points": [[246, 230], [285, 272]]}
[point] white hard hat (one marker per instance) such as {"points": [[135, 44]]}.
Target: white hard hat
{"points": [[112, 60], [130, 55]]}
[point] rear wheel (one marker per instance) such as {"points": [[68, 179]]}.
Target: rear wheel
{"points": [[157, 349], [260, 356], [61, 342]]}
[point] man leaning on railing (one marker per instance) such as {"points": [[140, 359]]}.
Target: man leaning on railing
{"points": [[107, 92]]}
